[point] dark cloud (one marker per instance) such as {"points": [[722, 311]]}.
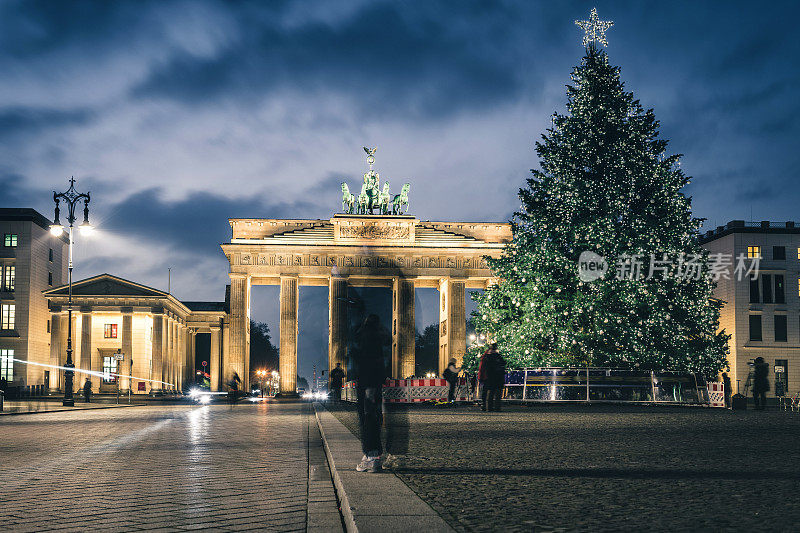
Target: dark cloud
{"points": [[197, 223], [24, 121], [387, 61]]}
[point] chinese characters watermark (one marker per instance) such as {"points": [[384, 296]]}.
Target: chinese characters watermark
{"points": [[592, 266]]}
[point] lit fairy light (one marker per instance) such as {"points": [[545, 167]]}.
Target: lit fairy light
{"points": [[595, 29]]}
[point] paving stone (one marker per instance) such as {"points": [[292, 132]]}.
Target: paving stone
{"points": [[603, 467], [167, 468]]}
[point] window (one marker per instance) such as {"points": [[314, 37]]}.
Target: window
{"points": [[753, 252], [50, 256], [48, 326], [7, 364], [7, 316], [109, 368], [10, 240], [755, 293], [50, 278], [766, 288], [110, 331], [755, 327], [9, 277], [781, 376], [780, 328], [780, 297], [779, 253]]}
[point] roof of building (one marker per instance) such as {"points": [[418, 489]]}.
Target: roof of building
{"points": [[106, 285], [207, 306], [25, 214], [743, 226]]}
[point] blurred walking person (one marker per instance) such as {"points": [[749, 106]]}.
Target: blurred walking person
{"points": [[369, 372], [87, 390], [336, 382], [492, 374], [760, 383]]}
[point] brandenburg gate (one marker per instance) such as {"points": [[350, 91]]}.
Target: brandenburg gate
{"points": [[360, 249]]}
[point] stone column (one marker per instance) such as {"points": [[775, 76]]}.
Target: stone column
{"points": [[215, 360], [290, 295], [192, 353], [126, 365], [337, 323], [55, 350], [239, 352], [452, 322], [403, 357], [86, 352], [156, 363]]}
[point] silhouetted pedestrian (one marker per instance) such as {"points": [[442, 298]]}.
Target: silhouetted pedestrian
{"points": [[451, 375], [369, 372], [233, 388], [492, 374], [87, 390], [336, 382], [726, 389], [760, 383]]}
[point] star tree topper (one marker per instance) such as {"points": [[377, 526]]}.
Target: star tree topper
{"points": [[595, 29]]}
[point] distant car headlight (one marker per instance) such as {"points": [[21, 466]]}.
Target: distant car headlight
{"points": [[308, 395], [205, 398]]}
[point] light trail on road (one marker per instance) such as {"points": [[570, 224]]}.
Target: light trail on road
{"points": [[93, 372]]}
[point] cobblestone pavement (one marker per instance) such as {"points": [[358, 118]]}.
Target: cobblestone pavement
{"points": [[166, 468], [604, 468]]}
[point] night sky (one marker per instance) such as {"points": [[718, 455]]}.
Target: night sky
{"points": [[178, 115]]}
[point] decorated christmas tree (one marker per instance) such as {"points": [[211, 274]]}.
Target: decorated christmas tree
{"points": [[606, 187]]}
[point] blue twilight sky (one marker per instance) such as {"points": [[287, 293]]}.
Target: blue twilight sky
{"points": [[180, 114]]}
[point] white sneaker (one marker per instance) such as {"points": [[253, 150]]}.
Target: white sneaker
{"points": [[365, 464]]}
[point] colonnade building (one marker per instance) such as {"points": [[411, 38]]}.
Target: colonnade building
{"points": [[145, 335]]}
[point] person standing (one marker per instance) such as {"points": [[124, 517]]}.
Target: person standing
{"points": [[369, 372], [337, 381], [760, 383], [451, 375], [87, 390], [492, 375], [726, 389]]}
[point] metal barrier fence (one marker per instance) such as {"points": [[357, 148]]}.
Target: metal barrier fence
{"points": [[605, 385]]}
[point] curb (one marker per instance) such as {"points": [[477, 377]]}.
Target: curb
{"points": [[344, 504], [10, 413]]}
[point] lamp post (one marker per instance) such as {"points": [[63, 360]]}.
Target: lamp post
{"points": [[71, 198]]}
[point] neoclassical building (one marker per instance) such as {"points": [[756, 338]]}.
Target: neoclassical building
{"points": [[144, 334]]}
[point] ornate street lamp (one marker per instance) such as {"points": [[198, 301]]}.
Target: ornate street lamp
{"points": [[71, 198]]}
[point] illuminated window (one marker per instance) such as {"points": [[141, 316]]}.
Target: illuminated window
{"points": [[754, 252], [9, 277], [110, 331], [7, 316], [7, 364], [109, 368], [798, 253], [10, 240]]}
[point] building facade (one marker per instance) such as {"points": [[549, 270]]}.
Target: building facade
{"points": [[32, 260], [145, 335], [760, 310]]}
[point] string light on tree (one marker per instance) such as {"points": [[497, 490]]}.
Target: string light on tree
{"points": [[595, 29]]}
